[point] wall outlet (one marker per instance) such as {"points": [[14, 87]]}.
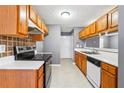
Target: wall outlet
{"points": [[2, 48]]}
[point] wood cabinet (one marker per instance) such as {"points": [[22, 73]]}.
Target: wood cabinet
{"points": [[78, 59], [22, 21], [92, 28], [113, 20], [39, 22], [106, 23], [109, 76], [38, 37], [81, 62], [109, 72], [32, 14], [22, 78], [84, 33], [35, 18], [87, 31], [102, 23], [40, 77], [44, 28], [41, 81], [13, 20], [84, 63]]}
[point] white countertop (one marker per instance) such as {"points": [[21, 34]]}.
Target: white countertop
{"points": [[10, 63], [108, 57], [28, 65]]}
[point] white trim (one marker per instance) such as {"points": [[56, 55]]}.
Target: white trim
{"points": [[55, 65]]}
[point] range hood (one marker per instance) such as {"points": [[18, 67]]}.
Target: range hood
{"points": [[33, 29]]}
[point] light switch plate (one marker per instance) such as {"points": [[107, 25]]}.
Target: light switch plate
{"points": [[2, 48]]}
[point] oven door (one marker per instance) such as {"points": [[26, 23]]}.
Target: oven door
{"points": [[48, 73]]}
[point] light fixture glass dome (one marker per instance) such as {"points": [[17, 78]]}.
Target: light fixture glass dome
{"points": [[65, 14]]}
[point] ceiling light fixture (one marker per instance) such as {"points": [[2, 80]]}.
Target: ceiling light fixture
{"points": [[65, 14]]}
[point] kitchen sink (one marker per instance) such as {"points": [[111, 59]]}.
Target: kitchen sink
{"points": [[90, 52]]}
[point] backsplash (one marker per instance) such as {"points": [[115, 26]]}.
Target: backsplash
{"points": [[10, 42], [93, 42]]}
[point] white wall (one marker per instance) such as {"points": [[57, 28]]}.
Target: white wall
{"points": [[66, 48], [52, 43], [39, 46]]}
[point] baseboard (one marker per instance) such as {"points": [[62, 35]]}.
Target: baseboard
{"points": [[55, 65]]}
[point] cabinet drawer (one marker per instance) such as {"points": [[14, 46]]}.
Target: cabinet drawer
{"points": [[109, 68], [40, 71]]}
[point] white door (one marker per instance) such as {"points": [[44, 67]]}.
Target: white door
{"points": [[66, 49]]}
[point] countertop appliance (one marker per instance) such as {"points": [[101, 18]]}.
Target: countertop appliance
{"points": [[28, 53], [94, 71]]}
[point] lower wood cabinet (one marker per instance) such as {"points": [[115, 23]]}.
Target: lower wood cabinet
{"points": [[108, 76], [109, 73], [78, 59], [81, 62], [22, 78], [41, 81], [84, 63]]}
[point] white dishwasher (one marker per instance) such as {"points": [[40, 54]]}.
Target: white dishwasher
{"points": [[94, 71]]}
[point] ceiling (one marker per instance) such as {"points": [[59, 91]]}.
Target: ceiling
{"points": [[81, 15]]}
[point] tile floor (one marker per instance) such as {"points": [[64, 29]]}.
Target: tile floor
{"points": [[68, 76]]}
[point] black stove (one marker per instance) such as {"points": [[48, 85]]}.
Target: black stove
{"points": [[42, 57], [29, 55]]}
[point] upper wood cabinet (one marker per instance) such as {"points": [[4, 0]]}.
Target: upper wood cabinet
{"points": [[39, 37], [102, 23], [87, 31], [13, 20], [82, 33], [92, 28], [39, 23], [22, 21], [32, 14], [106, 23], [44, 28], [113, 19], [35, 18]]}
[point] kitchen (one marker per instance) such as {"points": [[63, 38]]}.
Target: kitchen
{"points": [[40, 46]]}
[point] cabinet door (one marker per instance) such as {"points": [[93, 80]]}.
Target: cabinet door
{"points": [[80, 60], [113, 18], [76, 58], [102, 23], [84, 64], [39, 37], [41, 82], [22, 21], [39, 23], [87, 31], [92, 28], [32, 15], [108, 80], [44, 28]]}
